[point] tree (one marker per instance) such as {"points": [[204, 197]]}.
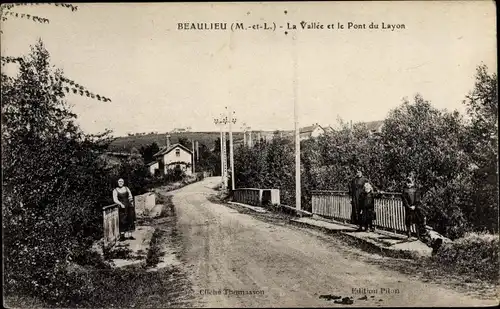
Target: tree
{"points": [[428, 143], [135, 173], [209, 161], [425, 141], [148, 152], [53, 180], [482, 146]]}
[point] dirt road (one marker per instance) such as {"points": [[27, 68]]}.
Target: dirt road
{"points": [[228, 253]]}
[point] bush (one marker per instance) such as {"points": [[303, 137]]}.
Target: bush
{"points": [[54, 181], [135, 174], [474, 254], [453, 161]]}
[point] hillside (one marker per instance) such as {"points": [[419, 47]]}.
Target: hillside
{"points": [[126, 143]]}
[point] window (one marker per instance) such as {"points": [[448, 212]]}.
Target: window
{"points": [[177, 152]]}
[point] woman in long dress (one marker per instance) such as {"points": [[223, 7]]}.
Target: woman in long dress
{"points": [[123, 197]]}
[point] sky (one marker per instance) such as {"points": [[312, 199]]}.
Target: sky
{"points": [[160, 78]]}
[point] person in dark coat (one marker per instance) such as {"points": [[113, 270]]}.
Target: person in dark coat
{"points": [[126, 211], [412, 203], [367, 205], [355, 189]]}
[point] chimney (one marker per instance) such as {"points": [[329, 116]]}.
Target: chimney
{"points": [[168, 141]]}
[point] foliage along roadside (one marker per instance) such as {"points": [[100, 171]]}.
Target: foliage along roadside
{"points": [[453, 159]]}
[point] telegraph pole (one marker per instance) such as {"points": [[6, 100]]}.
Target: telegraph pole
{"points": [[221, 122], [245, 129], [224, 158], [232, 120], [297, 128], [221, 158], [194, 157], [244, 137]]}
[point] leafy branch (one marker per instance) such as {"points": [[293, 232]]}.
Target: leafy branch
{"points": [[70, 86]]}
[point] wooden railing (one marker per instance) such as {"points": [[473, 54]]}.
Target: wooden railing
{"points": [[110, 225], [257, 197], [389, 210], [250, 196]]}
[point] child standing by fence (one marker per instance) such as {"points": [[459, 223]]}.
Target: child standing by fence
{"points": [[367, 213]]}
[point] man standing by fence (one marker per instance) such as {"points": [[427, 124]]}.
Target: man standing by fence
{"points": [[355, 189]]}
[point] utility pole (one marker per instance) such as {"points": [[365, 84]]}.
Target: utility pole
{"points": [[244, 134], [194, 157], [197, 146], [221, 158], [297, 128], [221, 122], [232, 120], [245, 128], [224, 159]]}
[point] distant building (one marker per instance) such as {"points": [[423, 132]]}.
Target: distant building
{"points": [[311, 131], [329, 129], [154, 167], [181, 130], [374, 127], [176, 156]]}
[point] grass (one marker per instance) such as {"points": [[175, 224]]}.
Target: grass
{"points": [[154, 252], [121, 288], [168, 205], [475, 255], [119, 253], [133, 286]]}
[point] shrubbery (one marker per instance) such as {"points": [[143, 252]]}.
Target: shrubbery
{"points": [[54, 182], [453, 160], [475, 254]]}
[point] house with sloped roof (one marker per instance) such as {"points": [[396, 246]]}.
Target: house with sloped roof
{"points": [[374, 127], [176, 157], [311, 131], [153, 167], [329, 129]]}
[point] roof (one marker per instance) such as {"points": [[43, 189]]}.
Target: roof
{"points": [[167, 150], [373, 125], [310, 129], [329, 128], [152, 163]]}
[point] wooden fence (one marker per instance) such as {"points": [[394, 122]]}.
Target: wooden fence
{"points": [[248, 196], [257, 197], [110, 225], [389, 209]]}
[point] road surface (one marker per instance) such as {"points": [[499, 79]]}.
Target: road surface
{"points": [[228, 253]]}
